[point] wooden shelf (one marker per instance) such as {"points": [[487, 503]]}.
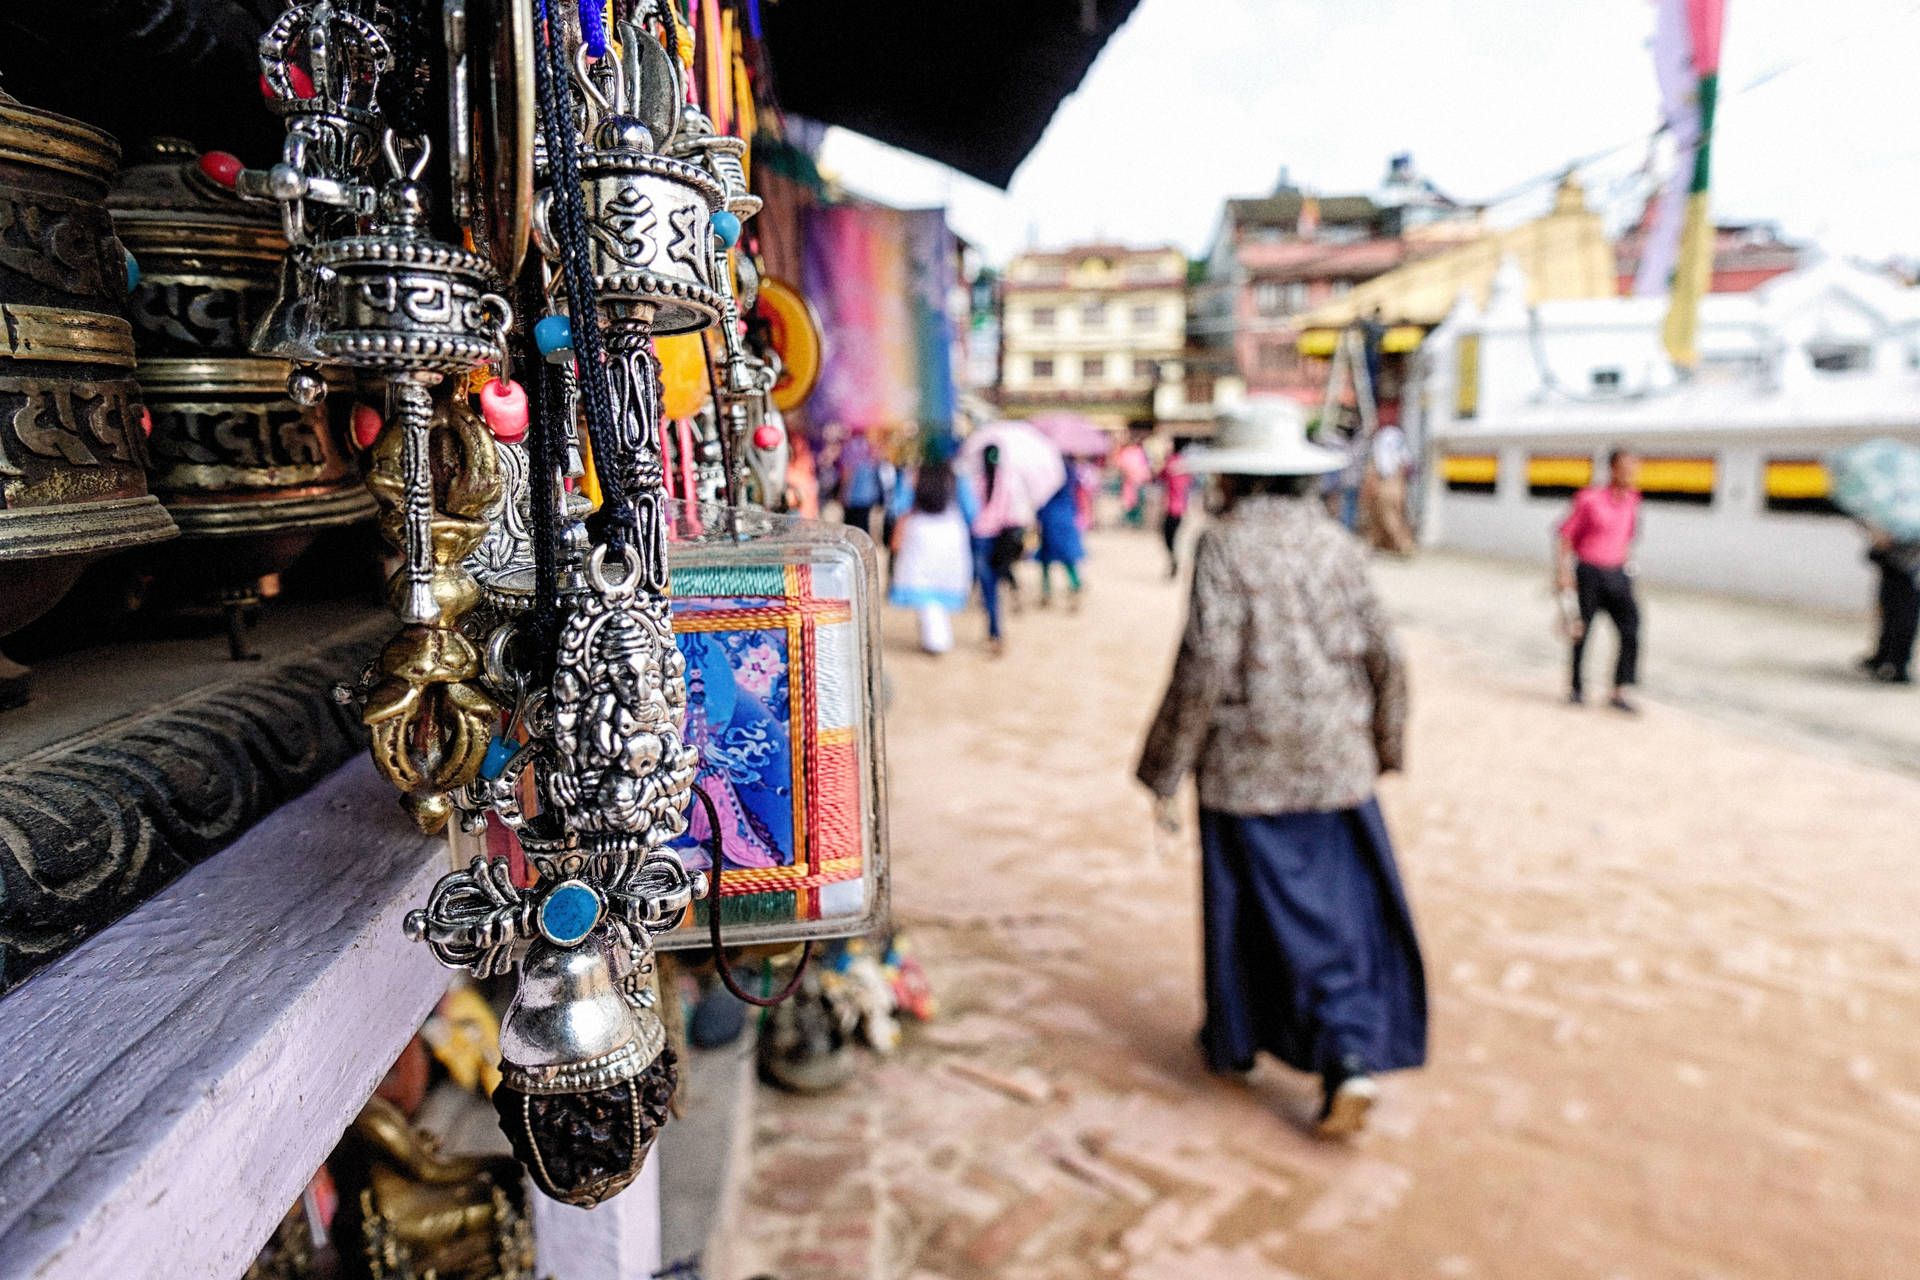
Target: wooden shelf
{"points": [[170, 1086]]}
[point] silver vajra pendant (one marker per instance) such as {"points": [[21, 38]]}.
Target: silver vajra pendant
{"points": [[587, 1074]]}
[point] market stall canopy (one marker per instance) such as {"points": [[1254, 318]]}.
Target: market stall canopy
{"points": [[970, 84]]}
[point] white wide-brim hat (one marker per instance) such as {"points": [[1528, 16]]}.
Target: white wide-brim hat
{"points": [[1266, 436]]}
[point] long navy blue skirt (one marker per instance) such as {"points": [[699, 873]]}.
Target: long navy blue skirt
{"points": [[1311, 953]]}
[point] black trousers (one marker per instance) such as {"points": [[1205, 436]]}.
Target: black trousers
{"points": [[1608, 591], [1899, 616], [1170, 530]]}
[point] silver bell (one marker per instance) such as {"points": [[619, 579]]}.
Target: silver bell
{"points": [[569, 1026], [587, 1076]]}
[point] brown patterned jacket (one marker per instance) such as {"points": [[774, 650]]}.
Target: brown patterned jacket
{"points": [[1289, 694]]}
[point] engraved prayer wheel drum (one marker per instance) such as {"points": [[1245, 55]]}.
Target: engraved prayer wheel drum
{"points": [[650, 220], [73, 453], [405, 304], [233, 456]]}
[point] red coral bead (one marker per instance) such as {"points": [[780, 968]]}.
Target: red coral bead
{"points": [[366, 425], [297, 79], [766, 436], [222, 166], [504, 406]]}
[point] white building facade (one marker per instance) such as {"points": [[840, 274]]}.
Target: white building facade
{"points": [[1518, 404], [1091, 330]]}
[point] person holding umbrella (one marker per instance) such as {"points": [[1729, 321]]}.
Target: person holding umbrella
{"points": [[1287, 700], [1015, 469], [1878, 483]]}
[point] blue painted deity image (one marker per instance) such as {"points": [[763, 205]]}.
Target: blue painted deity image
{"points": [[739, 718]]}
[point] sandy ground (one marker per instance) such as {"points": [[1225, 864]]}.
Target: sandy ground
{"points": [[1674, 965]]}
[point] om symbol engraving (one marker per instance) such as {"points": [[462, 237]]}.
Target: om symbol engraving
{"points": [[625, 227], [685, 247]]}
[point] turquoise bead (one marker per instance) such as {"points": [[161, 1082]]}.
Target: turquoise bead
{"points": [[569, 913], [494, 763], [553, 335], [727, 227], [133, 271]]}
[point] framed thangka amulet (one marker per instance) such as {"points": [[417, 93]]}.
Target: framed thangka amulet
{"points": [[775, 617]]}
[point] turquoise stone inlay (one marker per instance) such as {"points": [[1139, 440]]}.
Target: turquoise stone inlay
{"points": [[569, 913]]}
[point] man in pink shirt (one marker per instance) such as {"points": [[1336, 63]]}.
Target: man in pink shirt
{"points": [[1595, 540]]}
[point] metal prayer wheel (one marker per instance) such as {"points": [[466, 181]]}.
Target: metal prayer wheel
{"points": [[397, 301], [720, 154], [651, 221], [403, 303], [233, 455], [73, 453]]}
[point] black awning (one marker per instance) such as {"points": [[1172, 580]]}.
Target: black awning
{"points": [[970, 83]]}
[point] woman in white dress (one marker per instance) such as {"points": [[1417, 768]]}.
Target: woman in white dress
{"points": [[933, 554]]}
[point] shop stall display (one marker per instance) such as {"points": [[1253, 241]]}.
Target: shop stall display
{"points": [[535, 701]]}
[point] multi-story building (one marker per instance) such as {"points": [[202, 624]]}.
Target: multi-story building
{"points": [[1091, 330], [1277, 256]]}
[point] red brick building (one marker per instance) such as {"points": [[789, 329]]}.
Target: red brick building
{"points": [[1278, 256]]}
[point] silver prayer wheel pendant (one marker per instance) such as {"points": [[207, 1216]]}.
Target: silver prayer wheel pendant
{"points": [[649, 216], [397, 301]]}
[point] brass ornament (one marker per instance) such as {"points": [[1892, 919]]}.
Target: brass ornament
{"points": [[429, 717]]}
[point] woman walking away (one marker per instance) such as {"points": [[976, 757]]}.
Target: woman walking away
{"points": [[1287, 699], [1178, 482], [933, 554], [1060, 542]]}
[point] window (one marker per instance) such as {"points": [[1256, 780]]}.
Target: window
{"points": [[1042, 369], [1341, 288], [1296, 295], [1840, 357], [1799, 486], [1145, 316], [1145, 369], [1688, 481], [1556, 477], [1043, 317], [1093, 368], [1094, 315], [1466, 376], [1606, 380], [1470, 473], [1268, 299]]}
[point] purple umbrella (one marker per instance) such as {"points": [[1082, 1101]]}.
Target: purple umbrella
{"points": [[1074, 435]]}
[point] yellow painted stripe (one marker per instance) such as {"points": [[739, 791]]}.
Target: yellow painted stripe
{"points": [[1573, 473], [1676, 475], [1402, 337], [1319, 342], [1470, 468], [1797, 478]]}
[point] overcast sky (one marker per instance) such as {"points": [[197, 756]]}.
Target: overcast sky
{"points": [[1197, 100]]}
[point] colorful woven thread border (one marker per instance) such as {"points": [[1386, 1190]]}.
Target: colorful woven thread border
{"points": [[826, 784]]}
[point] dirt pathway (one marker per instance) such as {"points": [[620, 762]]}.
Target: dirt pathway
{"points": [[1675, 976]]}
